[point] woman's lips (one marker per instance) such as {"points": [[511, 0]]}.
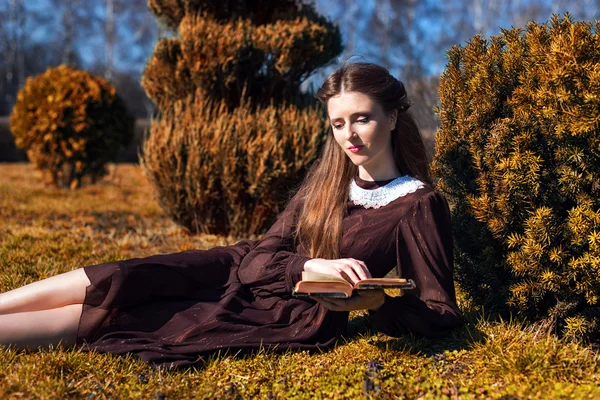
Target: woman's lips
{"points": [[355, 149]]}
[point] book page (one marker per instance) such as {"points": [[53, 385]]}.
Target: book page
{"points": [[317, 276]]}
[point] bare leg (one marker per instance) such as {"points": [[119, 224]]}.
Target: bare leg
{"points": [[54, 292], [30, 330]]}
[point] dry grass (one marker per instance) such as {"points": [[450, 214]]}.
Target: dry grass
{"points": [[47, 231], [117, 215]]}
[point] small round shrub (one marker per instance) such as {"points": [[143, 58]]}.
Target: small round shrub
{"points": [[71, 124], [518, 155]]}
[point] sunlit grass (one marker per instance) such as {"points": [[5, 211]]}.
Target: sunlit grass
{"points": [[47, 231]]}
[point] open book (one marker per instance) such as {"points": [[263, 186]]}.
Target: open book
{"points": [[323, 285]]}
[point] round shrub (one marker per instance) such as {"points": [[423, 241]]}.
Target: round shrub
{"points": [[518, 155], [71, 124]]}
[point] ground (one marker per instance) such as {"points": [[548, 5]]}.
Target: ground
{"points": [[45, 231]]}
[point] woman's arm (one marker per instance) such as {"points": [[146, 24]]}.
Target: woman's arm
{"points": [[424, 254], [274, 258], [273, 262]]}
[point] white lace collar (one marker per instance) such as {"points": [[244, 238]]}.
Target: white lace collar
{"points": [[384, 195]]}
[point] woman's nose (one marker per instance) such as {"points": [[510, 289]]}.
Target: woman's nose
{"points": [[350, 132]]}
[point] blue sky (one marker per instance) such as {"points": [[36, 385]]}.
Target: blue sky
{"points": [[91, 48]]}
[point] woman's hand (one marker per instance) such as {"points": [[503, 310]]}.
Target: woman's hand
{"points": [[349, 269], [366, 299], [353, 271]]}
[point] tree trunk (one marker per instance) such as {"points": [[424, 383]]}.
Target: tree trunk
{"points": [[109, 37]]}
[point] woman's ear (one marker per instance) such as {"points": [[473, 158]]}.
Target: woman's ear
{"points": [[393, 119]]}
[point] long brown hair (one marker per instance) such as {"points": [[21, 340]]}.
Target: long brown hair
{"points": [[325, 189]]}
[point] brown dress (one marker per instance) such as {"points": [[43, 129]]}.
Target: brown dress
{"points": [[174, 309]]}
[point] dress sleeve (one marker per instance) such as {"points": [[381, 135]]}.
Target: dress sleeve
{"points": [[424, 254], [273, 263]]}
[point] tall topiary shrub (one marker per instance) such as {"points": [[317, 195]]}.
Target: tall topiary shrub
{"points": [[518, 154], [71, 124], [234, 133]]}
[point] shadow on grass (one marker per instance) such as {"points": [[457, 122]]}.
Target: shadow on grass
{"points": [[461, 338]]}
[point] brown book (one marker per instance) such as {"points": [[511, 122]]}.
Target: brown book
{"points": [[315, 284]]}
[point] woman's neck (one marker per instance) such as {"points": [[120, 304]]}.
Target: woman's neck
{"points": [[380, 173]]}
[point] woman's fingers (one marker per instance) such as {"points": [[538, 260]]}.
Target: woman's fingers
{"points": [[370, 292], [346, 268], [327, 304], [350, 273], [362, 302], [334, 304], [367, 272], [359, 268]]}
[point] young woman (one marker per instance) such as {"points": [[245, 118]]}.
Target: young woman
{"points": [[365, 207]]}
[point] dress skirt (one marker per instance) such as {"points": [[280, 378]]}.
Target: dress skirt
{"points": [[174, 309]]}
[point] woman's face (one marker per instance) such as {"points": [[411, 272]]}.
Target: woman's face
{"points": [[362, 128]]}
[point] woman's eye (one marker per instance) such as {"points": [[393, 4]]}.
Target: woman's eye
{"points": [[338, 126], [363, 120]]}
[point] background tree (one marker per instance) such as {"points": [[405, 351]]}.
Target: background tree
{"points": [[37, 35], [411, 37], [124, 32], [69, 23], [13, 48], [235, 133]]}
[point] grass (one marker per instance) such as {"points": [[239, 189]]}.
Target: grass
{"points": [[47, 231]]}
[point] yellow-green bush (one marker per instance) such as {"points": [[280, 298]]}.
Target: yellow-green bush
{"points": [[518, 153], [234, 134], [71, 124]]}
